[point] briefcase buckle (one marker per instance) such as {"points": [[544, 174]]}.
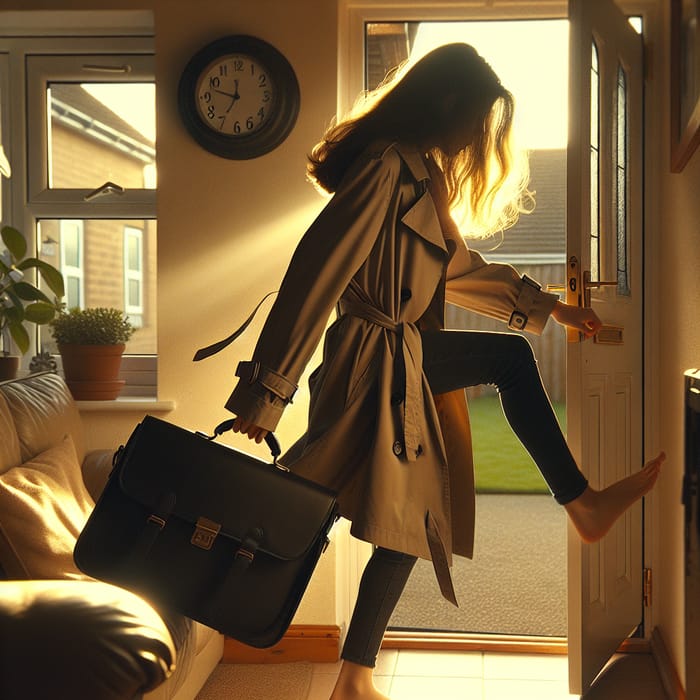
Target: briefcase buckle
{"points": [[205, 533]]}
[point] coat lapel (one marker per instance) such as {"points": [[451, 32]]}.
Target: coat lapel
{"points": [[423, 219]]}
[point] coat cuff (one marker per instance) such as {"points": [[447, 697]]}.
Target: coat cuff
{"points": [[260, 396], [532, 308], [273, 381]]}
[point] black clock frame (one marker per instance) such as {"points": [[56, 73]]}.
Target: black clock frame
{"points": [[285, 111]]}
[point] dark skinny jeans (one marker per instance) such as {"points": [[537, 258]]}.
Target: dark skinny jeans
{"points": [[453, 360]]}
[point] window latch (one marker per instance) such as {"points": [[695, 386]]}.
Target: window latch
{"points": [[107, 188], [107, 69]]}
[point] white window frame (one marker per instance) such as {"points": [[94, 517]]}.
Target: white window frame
{"points": [[57, 34], [103, 67]]}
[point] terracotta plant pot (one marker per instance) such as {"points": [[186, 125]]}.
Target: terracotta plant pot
{"points": [[92, 371], [9, 366]]}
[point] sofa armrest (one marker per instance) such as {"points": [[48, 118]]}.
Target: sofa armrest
{"points": [[97, 467], [84, 640]]}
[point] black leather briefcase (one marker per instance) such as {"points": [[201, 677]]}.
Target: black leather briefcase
{"points": [[211, 532]]}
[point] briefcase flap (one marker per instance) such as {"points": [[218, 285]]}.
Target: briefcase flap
{"points": [[228, 488]]}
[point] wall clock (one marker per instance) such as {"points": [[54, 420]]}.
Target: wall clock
{"points": [[238, 97]]}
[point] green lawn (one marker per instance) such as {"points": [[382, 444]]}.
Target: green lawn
{"points": [[501, 463]]}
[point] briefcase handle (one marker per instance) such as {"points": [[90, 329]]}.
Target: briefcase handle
{"points": [[270, 438]]}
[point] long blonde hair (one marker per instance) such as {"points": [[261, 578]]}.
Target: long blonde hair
{"points": [[486, 181]]}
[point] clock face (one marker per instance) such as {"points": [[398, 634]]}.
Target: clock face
{"points": [[238, 97], [235, 96]]}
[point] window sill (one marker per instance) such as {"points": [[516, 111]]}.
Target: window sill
{"points": [[126, 403]]}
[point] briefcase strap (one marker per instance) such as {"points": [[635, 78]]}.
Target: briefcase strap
{"points": [[155, 522], [242, 559]]}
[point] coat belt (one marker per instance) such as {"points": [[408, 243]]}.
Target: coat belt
{"points": [[407, 388], [409, 363]]}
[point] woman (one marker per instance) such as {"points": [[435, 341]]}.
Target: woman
{"points": [[388, 427]]}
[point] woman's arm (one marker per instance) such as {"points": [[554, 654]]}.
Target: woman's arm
{"points": [[329, 254]]}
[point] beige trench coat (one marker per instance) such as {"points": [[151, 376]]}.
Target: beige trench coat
{"points": [[388, 256]]}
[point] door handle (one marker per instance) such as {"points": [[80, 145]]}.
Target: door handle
{"points": [[573, 288], [588, 284]]}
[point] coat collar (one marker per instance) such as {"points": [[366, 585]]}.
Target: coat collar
{"points": [[413, 159]]}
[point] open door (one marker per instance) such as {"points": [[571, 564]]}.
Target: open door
{"points": [[604, 376]]}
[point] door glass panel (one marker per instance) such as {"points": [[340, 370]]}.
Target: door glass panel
{"points": [[595, 165], [621, 176], [101, 132], [100, 270]]}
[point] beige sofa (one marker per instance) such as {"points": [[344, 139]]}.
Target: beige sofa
{"points": [[63, 634]]}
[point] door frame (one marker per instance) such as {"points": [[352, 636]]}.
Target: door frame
{"points": [[352, 16]]}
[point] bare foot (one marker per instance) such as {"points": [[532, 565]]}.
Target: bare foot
{"points": [[355, 683], [593, 513]]}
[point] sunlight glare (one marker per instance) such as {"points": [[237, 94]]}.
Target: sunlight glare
{"points": [[135, 103], [530, 57]]}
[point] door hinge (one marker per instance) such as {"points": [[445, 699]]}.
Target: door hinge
{"points": [[647, 587]]}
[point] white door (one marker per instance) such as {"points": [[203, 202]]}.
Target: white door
{"points": [[604, 382]]}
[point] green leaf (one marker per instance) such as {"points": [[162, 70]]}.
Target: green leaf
{"points": [[14, 241], [52, 277], [39, 312], [28, 292], [20, 336]]}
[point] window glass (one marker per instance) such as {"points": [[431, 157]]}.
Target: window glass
{"points": [[621, 176], [133, 274], [595, 165], [71, 261], [106, 262], [100, 132]]}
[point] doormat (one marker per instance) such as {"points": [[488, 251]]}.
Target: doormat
{"points": [[258, 682]]}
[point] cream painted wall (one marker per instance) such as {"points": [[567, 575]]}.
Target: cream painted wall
{"points": [[675, 262], [226, 229]]}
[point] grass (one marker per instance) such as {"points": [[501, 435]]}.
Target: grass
{"points": [[501, 463]]}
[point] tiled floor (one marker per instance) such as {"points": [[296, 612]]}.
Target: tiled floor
{"points": [[419, 675]]}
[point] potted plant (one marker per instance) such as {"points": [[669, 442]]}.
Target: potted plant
{"points": [[91, 343], [21, 300]]}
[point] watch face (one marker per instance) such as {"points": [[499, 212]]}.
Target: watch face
{"points": [[235, 96]]}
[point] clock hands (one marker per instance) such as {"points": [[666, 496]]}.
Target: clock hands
{"points": [[233, 95]]}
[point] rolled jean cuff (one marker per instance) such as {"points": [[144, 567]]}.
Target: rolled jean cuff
{"points": [[573, 492], [360, 661]]}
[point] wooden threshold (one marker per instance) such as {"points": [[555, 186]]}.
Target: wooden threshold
{"points": [[461, 641], [494, 643], [321, 644]]}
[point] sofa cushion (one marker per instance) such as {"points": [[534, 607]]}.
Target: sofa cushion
{"points": [[43, 507], [9, 442], [43, 411]]}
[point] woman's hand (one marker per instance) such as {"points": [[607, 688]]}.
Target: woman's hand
{"points": [[584, 320], [254, 432]]}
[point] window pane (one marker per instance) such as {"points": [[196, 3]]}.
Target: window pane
{"points": [[102, 276], [621, 175], [134, 293], [101, 132], [595, 166]]}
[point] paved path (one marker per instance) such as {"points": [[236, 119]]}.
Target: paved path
{"points": [[516, 583]]}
